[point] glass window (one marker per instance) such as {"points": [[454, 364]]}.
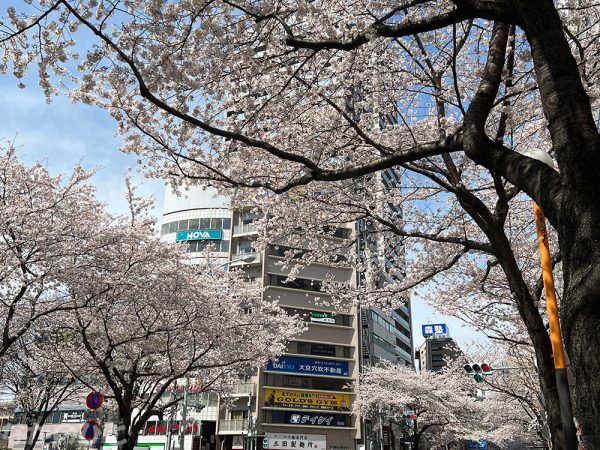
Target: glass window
{"points": [[164, 228], [226, 224], [194, 224], [216, 224], [192, 246], [204, 224], [172, 227], [182, 225], [202, 245], [224, 246]]}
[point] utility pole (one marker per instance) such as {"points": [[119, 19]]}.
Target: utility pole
{"points": [[250, 438], [380, 429], [558, 351], [170, 422], [183, 424]]}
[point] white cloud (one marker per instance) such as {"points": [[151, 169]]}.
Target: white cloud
{"points": [[63, 134]]}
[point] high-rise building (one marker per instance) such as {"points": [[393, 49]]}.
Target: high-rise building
{"points": [[436, 351], [198, 218], [385, 335], [304, 399]]}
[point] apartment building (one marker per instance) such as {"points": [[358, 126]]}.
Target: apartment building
{"points": [[303, 399], [436, 351], [198, 219]]}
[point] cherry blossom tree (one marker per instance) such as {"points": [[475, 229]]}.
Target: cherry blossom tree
{"points": [[281, 94], [515, 377], [33, 374], [438, 406], [152, 318], [47, 222]]}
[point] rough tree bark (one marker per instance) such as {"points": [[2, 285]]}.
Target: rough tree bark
{"points": [[576, 143]]}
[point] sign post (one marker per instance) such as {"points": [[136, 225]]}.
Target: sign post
{"points": [[92, 429]]}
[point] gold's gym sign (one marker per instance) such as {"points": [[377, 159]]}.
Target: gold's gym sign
{"points": [[307, 399]]}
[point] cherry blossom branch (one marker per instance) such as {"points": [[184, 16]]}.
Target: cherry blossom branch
{"points": [[146, 93], [32, 24], [540, 181], [378, 29]]}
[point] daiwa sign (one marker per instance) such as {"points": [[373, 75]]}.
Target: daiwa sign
{"points": [[199, 235]]}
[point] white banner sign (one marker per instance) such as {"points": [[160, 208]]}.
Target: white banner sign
{"points": [[276, 441], [238, 443]]}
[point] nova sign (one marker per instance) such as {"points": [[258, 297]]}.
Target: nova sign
{"points": [[199, 235]]}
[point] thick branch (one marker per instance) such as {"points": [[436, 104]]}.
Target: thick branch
{"points": [[406, 28]]}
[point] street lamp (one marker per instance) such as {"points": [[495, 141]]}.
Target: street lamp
{"points": [[558, 351], [247, 259]]}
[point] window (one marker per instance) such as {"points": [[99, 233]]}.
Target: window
{"points": [[298, 283], [323, 384], [194, 224], [200, 246], [343, 233]]}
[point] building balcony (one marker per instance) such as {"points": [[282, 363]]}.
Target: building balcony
{"points": [[233, 426], [241, 389], [245, 259], [241, 230]]}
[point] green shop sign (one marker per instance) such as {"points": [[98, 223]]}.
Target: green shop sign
{"points": [[322, 317], [199, 235]]}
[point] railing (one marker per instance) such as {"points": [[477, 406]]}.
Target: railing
{"points": [[245, 258], [245, 229], [242, 388], [233, 426]]}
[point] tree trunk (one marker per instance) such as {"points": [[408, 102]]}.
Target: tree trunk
{"points": [[33, 434], [535, 329], [580, 312], [577, 144], [126, 440]]}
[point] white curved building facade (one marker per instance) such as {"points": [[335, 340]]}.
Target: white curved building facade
{"points": [[199, 218]]}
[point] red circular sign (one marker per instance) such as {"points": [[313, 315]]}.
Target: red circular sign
{"points": [[94, 400], [90, 430]]}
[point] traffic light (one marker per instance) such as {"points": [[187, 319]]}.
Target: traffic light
{"points": [[478, 371]]}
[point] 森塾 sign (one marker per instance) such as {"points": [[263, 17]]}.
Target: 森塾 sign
{"points": [[434, 328], [199, 235], [306, 399]]}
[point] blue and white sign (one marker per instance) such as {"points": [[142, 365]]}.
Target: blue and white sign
{"points": [[312, 366], [480, 445], [434, 328], [199, 235]]}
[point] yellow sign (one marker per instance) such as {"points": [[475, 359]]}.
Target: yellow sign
{"points": [[292, 398]]}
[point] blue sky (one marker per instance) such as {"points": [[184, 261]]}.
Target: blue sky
{"points": [[62, 134]]}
